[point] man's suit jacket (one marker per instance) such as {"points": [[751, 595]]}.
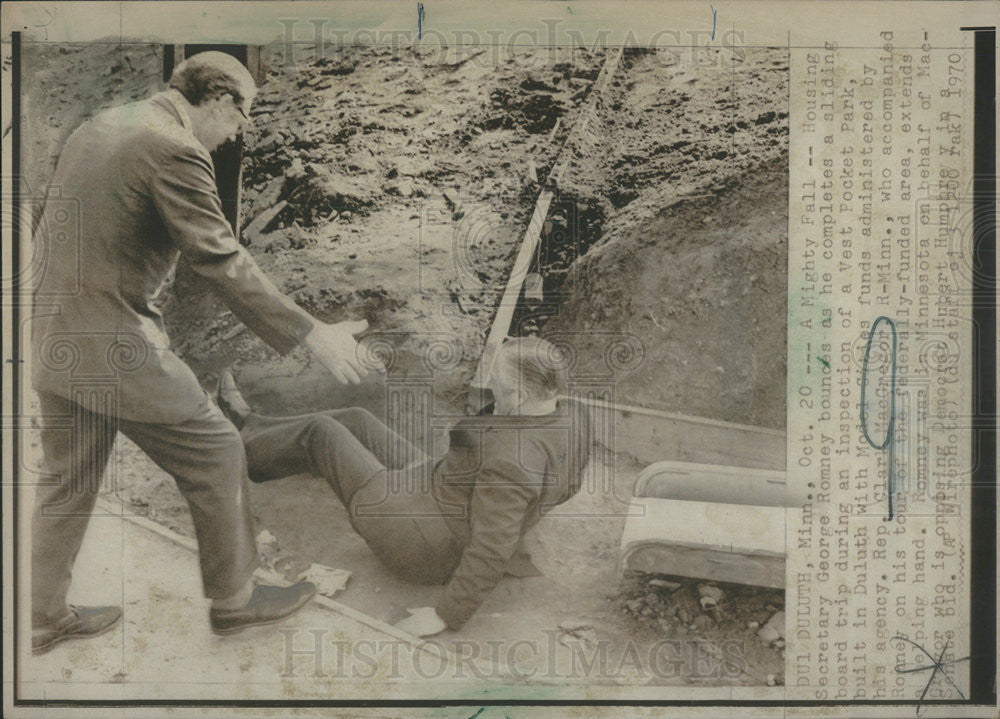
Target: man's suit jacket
{"points": [[501, 473], [133, 189]]}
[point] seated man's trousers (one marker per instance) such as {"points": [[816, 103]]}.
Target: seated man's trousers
{"points": [[384, 482]]}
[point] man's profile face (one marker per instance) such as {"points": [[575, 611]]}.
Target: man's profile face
{"points": [[224, 118]]}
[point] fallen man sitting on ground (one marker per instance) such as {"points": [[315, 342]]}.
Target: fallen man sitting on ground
{"points": [[459, 520]]}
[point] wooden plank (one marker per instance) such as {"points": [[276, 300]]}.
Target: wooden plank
{"points": [[690, 440], [610, 67], [648, 412], [508, 303], [168, 62], [706, 563], [256, 64], [173, 55], [651, 436]]}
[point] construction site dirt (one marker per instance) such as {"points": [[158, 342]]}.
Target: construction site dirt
{"points": [[397, 185]]}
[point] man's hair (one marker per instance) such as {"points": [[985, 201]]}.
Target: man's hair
{"points": [[208, 75], [540, 365]]}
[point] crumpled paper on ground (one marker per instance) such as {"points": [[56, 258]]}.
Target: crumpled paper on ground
{"points": [[328, 580]]}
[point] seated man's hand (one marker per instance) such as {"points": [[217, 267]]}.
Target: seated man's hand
{"points": [[422, 622], [336, 349]]}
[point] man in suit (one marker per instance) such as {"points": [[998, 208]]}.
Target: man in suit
{"points": [[143, 181], [458, 520]]}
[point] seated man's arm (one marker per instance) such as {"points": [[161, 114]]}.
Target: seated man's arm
{"points": [[502, 497]]}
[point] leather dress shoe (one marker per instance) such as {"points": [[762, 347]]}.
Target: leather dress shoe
{"points": [[231, 401], [267, 605], [81, 623]]}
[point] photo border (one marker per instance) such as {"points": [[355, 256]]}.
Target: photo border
{"points": [[984, 527]]}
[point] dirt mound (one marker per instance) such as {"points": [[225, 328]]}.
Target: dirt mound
{"points": [[702, 286], [376, 186], [689, 171], [331, 133]]}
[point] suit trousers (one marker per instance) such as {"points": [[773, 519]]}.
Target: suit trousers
{"points": [[382, 479], [205, 456]]}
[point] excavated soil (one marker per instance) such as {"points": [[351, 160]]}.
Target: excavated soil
{"points": [[396, 185], [407, 190], [688, 164]]}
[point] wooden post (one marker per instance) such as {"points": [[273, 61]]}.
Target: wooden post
{"points": [[173, 55], [255, 64]]}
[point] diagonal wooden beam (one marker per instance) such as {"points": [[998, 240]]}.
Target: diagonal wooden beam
{"points": [[508, 302]]}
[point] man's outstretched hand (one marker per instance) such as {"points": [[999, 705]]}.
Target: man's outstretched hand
{"points": [[336, 349]]}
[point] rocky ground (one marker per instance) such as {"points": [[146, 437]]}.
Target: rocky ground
{"points": [[745, 625], [397, 184]]}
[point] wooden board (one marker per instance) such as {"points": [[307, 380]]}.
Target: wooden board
{"points": [[651, 436], [508, 303], [703, 563]]}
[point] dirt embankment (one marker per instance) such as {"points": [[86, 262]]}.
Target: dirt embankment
{"points": [[396, 185], [393, 185], [689, 164]]}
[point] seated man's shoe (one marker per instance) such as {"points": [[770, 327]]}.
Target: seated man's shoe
{"points": [[267, 605], [81, 623], [230, 401]]}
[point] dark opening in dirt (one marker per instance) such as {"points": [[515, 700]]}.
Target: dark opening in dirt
{"points": [[572, 225]]}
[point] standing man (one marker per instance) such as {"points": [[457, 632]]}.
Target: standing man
{"points": [[142, 178]]}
